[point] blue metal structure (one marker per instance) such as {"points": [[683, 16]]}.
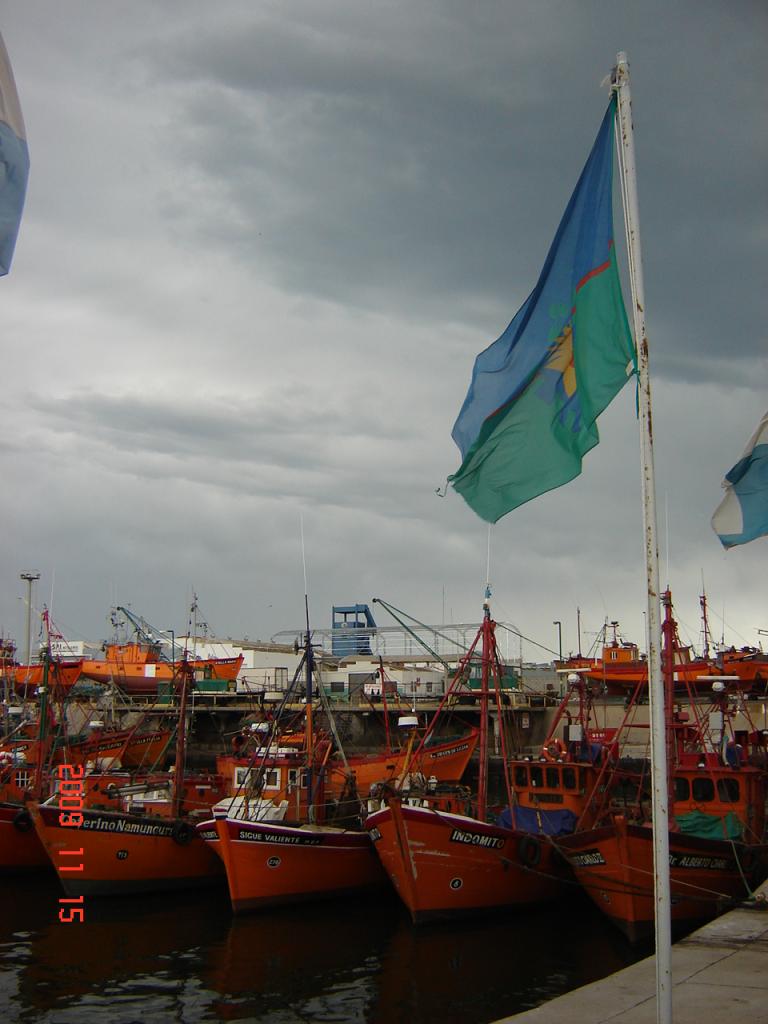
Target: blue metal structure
{"points": [[348, 619]]}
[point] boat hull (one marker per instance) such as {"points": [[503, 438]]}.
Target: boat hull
{"points": [[126, 747], [445, 865], [20, 847], [442, 760], [64, 675], [273, 864], [614, 865], [141, 678], [121, 854]]}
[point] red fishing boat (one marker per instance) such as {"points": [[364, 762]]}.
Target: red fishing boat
{"points": [[62, 671], [442, 758], [130, 838], [26, 679], [448, 852], [109, 838], [750, 664], [118, 748], [621, 667], [717, 803], [137, 668], [25, 757], [284, 838]]}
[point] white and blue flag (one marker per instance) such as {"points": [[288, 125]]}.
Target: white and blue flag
{"points": [[14, 161], [742, 515]]}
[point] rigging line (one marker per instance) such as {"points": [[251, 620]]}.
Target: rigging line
{"points": [[604, 883], [516, 632], [436, 632], [331, 719], [680, 883], [393, 610]]}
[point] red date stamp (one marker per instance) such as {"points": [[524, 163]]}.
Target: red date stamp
{"points": [[71, 799]]}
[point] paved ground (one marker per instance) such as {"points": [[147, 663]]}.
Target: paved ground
{"points": [[719, 973]]}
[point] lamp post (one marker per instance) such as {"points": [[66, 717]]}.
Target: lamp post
{"points": [[30, 578], [559, 638]]}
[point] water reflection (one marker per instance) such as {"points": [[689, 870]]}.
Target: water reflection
{"points": [[184, 957]]}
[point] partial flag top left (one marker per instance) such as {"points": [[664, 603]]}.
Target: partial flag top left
{"points": [[14, 161]]}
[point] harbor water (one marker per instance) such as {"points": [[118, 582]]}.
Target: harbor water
{"points": [[185, 958]]}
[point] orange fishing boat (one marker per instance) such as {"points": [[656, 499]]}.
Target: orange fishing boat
{"points": [[621, 667], [750, 664], [449, 853], [442, 758], [120, 748], [139, 665], [717, 845], [137, 668], [62, 673], [283, 838], [25, 756], [104, 838], [29, 756], [120, 852], [281, 862]]}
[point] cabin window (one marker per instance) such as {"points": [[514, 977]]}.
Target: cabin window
{"points": [[614, 655], [703, 790], [569, 778], [297, 777], [272, 778], [553, 778], [23, 778], [521, 775], [337, 686], [682, 789], [242, 776], [728, 790], [537, 776]]}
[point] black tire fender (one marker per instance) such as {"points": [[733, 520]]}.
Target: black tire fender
{"points": [[183, 833], [23, 820]]}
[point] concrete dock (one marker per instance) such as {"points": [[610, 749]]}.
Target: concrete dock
{"points": [[719, 973]]}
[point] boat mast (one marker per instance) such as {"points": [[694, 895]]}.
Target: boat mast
{"points": [[707, 639], [660, 805], [43, 726], [385, 705], [669, 638], [482, 782], [309, 737], [181, 738]]}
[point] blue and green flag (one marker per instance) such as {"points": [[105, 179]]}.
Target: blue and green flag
{"points": [[742, 515], [531, 410], [14, 161]]}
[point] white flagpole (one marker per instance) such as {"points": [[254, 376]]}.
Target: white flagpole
{"points": [[620, 82]]}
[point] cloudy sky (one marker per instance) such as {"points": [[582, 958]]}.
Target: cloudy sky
{"points": [[263, 243]]}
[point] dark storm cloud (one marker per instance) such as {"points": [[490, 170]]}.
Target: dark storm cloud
{"points": [[263, 244], [363, 165]]}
